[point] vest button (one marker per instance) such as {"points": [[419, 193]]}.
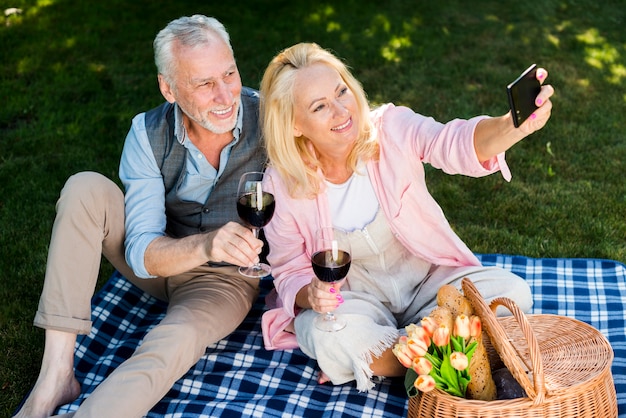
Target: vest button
{"points": [[206, 210]]}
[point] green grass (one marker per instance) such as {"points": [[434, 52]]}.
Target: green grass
{"points": [[73, 73]]}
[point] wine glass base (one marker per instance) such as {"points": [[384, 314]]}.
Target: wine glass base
{"points": [[329, 323], [258, 270]]}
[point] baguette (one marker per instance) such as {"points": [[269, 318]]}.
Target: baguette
{"points": [[453, 303], [481, 386], [450, 297]]}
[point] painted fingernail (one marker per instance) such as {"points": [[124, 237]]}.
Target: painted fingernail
{"points": [[340, 298], [541, 75], [533, 116], [332, 290], [539, 102]]}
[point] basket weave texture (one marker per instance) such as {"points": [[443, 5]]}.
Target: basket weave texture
{"points": [[563, 365]]}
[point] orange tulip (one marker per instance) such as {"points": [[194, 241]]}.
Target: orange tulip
{"points": [[429, 325], [462, 326], [417, 348], [410, 328], [421, 365], [403, 354], [459, 360], [441, 337], [420, 335], [476, 326], [424, 383], [428, 350]]}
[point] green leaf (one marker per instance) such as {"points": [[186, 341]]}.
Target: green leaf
{"points": [[436, 362], [441, 384], [409, 383], [455, 392], [448, 373], [463, 382], [456, 344], [471, 349]]}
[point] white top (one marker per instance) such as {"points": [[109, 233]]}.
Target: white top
{"points": [[353, 204]]}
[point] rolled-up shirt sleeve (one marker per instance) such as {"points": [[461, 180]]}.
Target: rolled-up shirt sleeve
{"points": [[144, 196]]}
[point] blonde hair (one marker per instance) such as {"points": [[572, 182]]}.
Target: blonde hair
{"points": [[290, 155]]}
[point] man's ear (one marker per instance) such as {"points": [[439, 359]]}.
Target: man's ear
{"points": [[166, 90]]}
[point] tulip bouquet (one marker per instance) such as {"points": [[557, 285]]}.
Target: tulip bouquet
{"points": [[436, 357]]}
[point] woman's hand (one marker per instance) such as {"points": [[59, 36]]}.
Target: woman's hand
{"points": [[496, 135], [539, 117], [320, 296]]}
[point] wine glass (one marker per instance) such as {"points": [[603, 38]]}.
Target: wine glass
{"points": [[255, 207], [331, 261]]}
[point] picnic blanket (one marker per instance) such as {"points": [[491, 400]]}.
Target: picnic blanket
{"points": [[238, 377]]}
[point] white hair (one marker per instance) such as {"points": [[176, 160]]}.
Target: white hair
{"points": [[189, 31]]}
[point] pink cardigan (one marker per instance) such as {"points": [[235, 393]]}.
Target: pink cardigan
{"points": [[406, 141]]}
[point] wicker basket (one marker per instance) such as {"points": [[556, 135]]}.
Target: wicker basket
{"points": [[564, 366]]}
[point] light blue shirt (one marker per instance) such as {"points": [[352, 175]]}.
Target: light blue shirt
{"points": [[145, 193]]}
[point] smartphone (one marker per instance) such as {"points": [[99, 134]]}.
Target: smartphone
{"points": [[522, 94]]}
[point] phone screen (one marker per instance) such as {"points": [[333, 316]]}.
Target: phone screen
{"points": [[522, 94]]}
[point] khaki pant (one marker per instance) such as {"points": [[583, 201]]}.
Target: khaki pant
{"points": [[205, 304]]}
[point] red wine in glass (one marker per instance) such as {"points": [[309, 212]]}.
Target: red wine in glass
{"points": [[328, 269], [249, 210], [331, 261], [255, 207]]}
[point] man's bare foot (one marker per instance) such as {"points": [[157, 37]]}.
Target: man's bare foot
{"points": [[49, 393]]}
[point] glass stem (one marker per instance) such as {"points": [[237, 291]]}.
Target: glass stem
{"points": [[255, 232]]}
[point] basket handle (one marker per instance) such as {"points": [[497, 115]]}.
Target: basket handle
{"points": [[533, 345], [501, 341]]}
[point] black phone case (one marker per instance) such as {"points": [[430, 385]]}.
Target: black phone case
{"points": [[522, 94]]}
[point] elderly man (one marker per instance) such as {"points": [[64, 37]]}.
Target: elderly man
{"points": [[173, 233]]}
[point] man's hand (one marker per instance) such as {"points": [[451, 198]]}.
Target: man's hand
{"points": [[232, 243]]}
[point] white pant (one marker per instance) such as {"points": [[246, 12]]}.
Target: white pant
{"points": [[387, 288]]}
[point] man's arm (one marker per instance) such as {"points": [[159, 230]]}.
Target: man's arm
{"points": [[231, 244]]}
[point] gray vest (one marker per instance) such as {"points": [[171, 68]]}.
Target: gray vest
{"points": [[187, 218]]}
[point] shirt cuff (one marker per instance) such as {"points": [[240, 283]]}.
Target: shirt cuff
{"points": [[135, 254]]}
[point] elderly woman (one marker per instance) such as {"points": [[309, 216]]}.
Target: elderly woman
{"points": [[336, 163]]}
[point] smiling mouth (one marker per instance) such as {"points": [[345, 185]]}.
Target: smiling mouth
{"points": [[340, 127], [221, 112]]}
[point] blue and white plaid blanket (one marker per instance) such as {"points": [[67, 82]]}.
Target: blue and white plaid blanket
{"points": [[238, 377]]}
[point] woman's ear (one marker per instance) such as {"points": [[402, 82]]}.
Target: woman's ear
{"points": [[166, 89], [297, 132]]}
